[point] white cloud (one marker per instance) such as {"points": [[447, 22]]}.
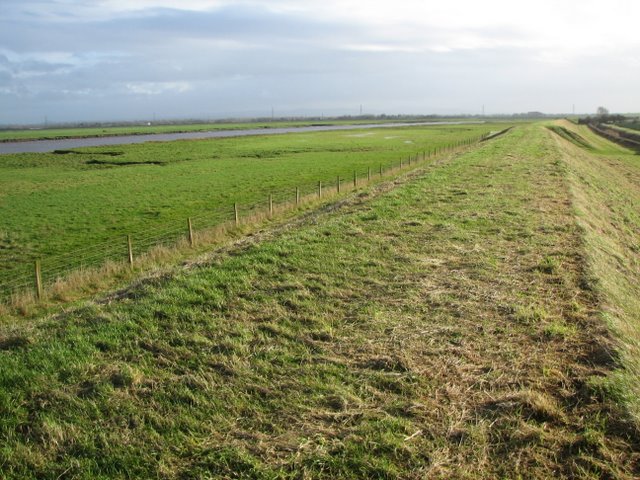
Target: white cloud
{"points": [[574, 28], [379, 48], [158, 88], [136, 5], [238, 55]]}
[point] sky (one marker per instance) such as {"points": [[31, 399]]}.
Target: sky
{"points": [[106, 60]]}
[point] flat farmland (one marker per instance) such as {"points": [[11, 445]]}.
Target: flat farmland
{"points": [[57, 133], [11, 135], [69, 208]]}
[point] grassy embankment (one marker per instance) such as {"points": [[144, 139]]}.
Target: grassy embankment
{"points": [[605, 183], [75, 208], [442, 329]]}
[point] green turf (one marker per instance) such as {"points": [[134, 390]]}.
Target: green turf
{"points": [[438, 330], [75, 208], [631, 126]]}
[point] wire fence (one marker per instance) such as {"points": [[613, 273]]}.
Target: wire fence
{"points": [[36, 278]]}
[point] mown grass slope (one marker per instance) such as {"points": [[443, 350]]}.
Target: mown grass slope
{"points": [[606, 191], [440, 329]]}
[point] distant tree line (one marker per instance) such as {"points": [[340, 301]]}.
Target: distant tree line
{"points": [[602, 116], [616, 118]]}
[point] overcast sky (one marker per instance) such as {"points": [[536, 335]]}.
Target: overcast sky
{"points": [[72, 60]]}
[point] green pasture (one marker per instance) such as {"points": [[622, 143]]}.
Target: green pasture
{"points": [[143, 129], [75, 208], [629, 127]]}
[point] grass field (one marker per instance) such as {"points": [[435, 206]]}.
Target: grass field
{"points": [[631, 127], [58, 133], [445, 325], [627, 131], [75, 208]]}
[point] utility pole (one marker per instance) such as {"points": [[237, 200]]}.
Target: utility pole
{"points": [[483, 109]]}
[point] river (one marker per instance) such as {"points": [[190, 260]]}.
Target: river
{"points": [[43, 146]]}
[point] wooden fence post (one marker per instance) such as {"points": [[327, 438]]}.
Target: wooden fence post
{"points": [[338, 183], [189, 226], [368, 174], [270, 205], [319, 189], [130, 251], [297, 196], [355, 180], [38, 278], [235, 213], [380, 169]]}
